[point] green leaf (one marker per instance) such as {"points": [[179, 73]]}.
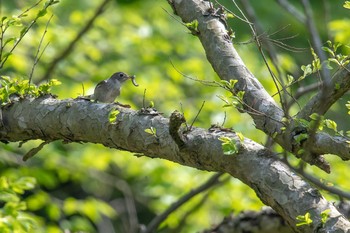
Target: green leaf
{"points": [[53, 211], [151, 104], [227, 105], [232, 83], [240, 95], [23, 31], [314, 116], [347, 5], [328, 50], [301, 137], [307, 69], [41, 13], [8, 196], [240, 136], [15, 21], [290, 79], [304, 220], [325, 215], [348, 133], [229, 16], [152, 131], [192, 25], [331, 124], [9, 40], [55, 82], [112, 117], [23, 183], [228, 145], [300, 152]]}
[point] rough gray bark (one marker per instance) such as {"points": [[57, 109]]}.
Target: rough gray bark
{"points": [[267, 115], [83, 121], [264, 221], [276, 185]]}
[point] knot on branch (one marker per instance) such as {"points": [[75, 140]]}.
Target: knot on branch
{"points": [[176, 120]]}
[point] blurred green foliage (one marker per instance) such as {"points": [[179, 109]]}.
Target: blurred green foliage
{"points": [[86, 187]]}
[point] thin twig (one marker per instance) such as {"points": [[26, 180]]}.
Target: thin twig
{"points": [[70, 47], [37, 55], [302, 91], [300, 170], [199, 111], [224, 121], [144, 98], [160, 218], [205, 82], [28, 9], [317, 44], [274, 78], [183, 113], [25, 31], [83, 88]]}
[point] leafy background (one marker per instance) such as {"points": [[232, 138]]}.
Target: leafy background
{"points": [[84, 186]]}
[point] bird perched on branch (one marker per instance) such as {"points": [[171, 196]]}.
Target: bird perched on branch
{"points": [[108, 90]]}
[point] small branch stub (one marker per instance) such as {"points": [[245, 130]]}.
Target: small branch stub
{"points": [[176, 120]]}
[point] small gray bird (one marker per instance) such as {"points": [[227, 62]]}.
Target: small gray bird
{"points": [[108, 90]]}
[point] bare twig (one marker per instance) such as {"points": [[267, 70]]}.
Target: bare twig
{"points": [[37, 55], [224, 121], [35, 150], [195, 118], [302, 91], [160, 218], [317, 44], [270, 49], [144, 98], [72, 44], [205, 82], [300, 170], [183, 113], [26, 30]]}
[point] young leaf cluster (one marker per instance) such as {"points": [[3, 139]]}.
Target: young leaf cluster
{"points": [[11, 88], [304, 219], [335, 57], [12, 215], [113, 116], [308, 69], [193, 27], [230, 145], [237, 96], [318, 122], [152, 131]]}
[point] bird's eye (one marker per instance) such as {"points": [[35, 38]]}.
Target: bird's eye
{"points": [[121, 75]]}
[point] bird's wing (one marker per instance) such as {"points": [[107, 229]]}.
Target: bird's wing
{"points": [[103, 82]]}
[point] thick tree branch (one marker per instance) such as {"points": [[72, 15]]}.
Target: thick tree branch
{"points": [[264, 221], [267, 115], [47, 118]]}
